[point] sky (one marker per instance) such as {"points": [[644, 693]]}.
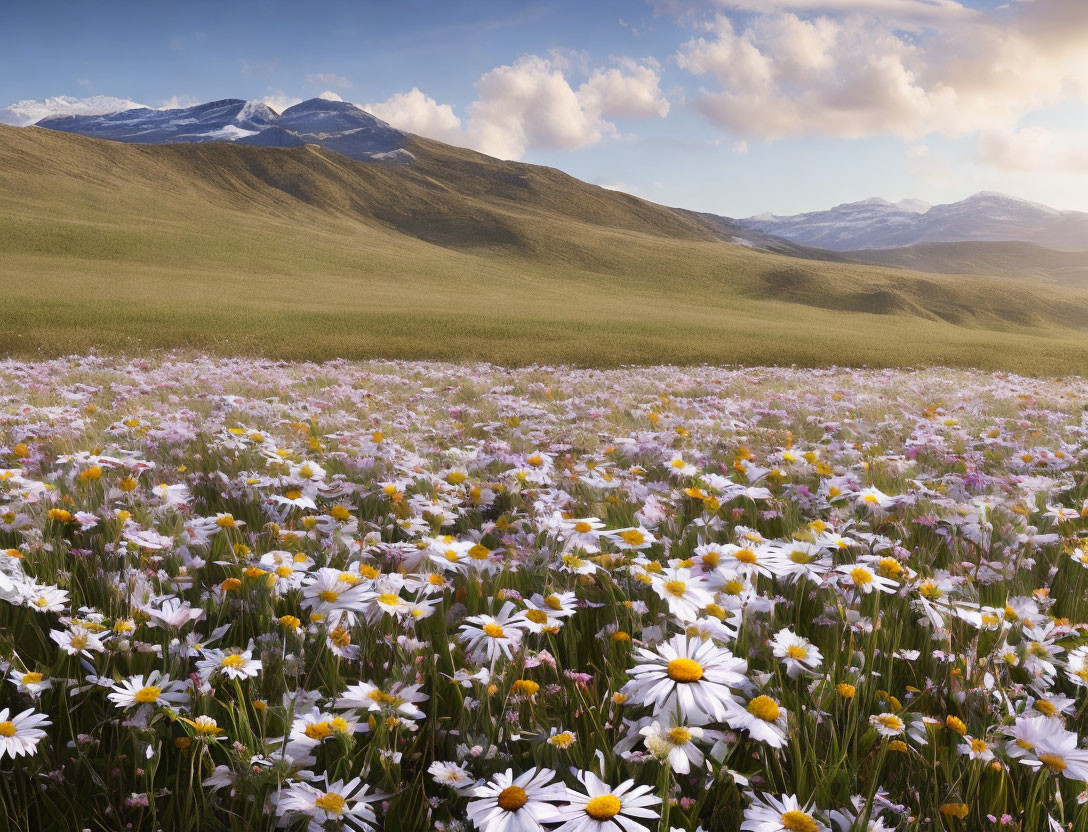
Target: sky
{"points": [[737, 107]]}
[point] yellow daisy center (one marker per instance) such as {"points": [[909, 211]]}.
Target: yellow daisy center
{"points": [[685, 670], [679, 736], [765, 708], [676, 588], [796, 821], [1055, 761], [148, 694], [331, 802], [513, 798], [7, 728], [493, 630], [234, 660], [604, 807]]}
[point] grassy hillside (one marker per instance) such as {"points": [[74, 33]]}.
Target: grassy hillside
{"points": [[300, 252], [1012, 259]]}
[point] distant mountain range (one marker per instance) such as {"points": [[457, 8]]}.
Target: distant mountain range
{"points": [[879, 224], [336, 125]]}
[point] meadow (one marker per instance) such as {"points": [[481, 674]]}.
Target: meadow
{"points": [[239, 594], [301, 254]]}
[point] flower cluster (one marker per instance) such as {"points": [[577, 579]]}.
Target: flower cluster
{"points": [[244, 595]]}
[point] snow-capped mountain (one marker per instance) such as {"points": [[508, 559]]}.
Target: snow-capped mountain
{"points": [[337, 125], [879, 224], [29, 111]]}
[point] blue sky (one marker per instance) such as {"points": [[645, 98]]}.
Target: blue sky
{"points": [[731, 106]]}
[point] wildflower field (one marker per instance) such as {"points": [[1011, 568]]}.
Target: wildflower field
{"points": [[247, 595]]}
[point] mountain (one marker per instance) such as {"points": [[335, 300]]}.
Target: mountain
{"points": [[302, 252], [337, 125], [879, 224]]}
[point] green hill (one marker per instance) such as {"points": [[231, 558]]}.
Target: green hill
{"points": [[1012, 259], [302, 253]]}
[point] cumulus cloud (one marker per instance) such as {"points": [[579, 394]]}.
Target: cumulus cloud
{"points": [[329, 95], [31, 111], [418, 113], [884, 67], [1033, 150], [328, 79], [532, 103]]}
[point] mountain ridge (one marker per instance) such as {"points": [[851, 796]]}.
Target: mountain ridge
{"points": [[338, 125], [872, 224]]}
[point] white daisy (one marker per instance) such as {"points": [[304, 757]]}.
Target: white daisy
{"points": [[344, 803], [156, 689], [20, 735], [767, 813], [797, 653], [515, 805], [690, 674], [604, 809]]}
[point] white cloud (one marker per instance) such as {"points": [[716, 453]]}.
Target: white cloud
{"points": [[328, 79], [176, 102], [906, 9], [279, 101], [329, 95], [1033, 150], [884, 67], [418, 113], [533, 104], [30, 111]]}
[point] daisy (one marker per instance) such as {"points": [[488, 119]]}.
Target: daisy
{"points": [[800, 559], [685, 593], [1057, 750], [20, 735], [157, 689], [887, 724], [797, 653], [173, 613], [507, 804], [763, 718], [78, 641], [454, 775], [690, 674], [233, 663], [976, 749], [750, 559], [582, 534], [401, 698], [344, 803], [30, 682], [779, 814], [45, 598], [863, 579], [674, 742], [1076, 666], [604, 809], [493, 635], [543, 613]]}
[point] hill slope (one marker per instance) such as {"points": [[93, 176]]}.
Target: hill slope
{"points": [[301, 252], [1024, 261]]}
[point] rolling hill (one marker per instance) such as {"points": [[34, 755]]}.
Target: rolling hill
{"points": [[300, 252]]}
